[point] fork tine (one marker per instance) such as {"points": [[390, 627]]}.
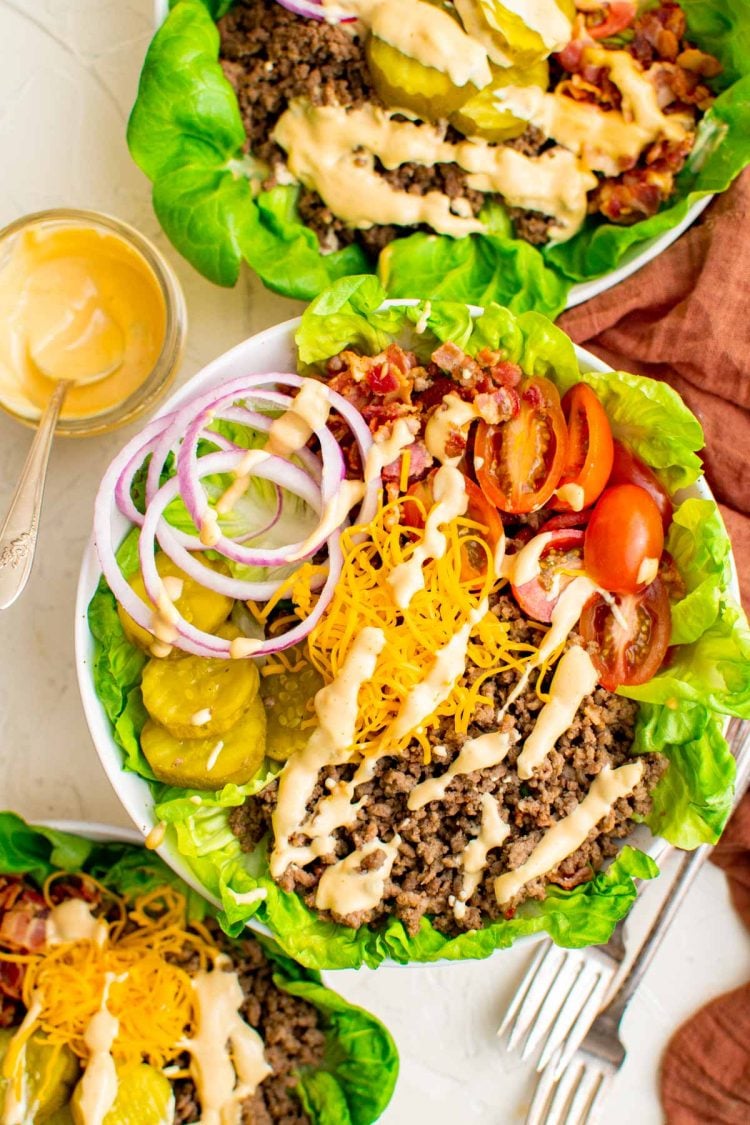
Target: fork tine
{"points": [[523, 987], [588, 977], [596, 1105], [564, 1094], [537, 1114], [582, 1024], [543, 980], [553, 1002], [584, 1096]]}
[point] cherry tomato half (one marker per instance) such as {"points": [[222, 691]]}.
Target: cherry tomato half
{"points": [[620, 14], [478, 510], [632, 641], [629, 469], [564, 552], [588, 461], [519, 463], [624, 540]]}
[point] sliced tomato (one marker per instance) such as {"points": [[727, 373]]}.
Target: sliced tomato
{"points": [[632, 639], [624, 540], [588, 461], [519, 463], [564, 552], [478, 510], [629, 469], [620, 14]]}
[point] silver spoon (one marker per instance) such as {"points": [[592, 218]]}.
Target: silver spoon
{"points": [[19, 531]]}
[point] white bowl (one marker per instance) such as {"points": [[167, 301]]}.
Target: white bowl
{"points": [[271, 350]]}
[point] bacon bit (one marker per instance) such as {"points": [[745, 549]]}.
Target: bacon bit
{"points": [[699, 62], [449, 357], [11, 980], [382, 380], [499, 406], [24, 926]]}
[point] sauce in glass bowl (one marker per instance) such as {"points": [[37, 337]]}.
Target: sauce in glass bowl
{"points": [[82, 293]]}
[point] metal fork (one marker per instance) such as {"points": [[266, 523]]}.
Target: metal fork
{"points": [[573, 1087], [564, 989]]}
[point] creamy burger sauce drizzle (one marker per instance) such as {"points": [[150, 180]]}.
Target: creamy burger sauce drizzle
{"points": [[606, 140], [476, 754], [99, 1082], [423, 32], [575, 677], [450, 415], [493, 832], [449, 491], [345, 888], [567, 835], [332, 151], [542, 16], [227, 1061]]}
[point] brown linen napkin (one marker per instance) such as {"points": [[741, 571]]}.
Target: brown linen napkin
{"points": [[685, 318], [705, 1072]]}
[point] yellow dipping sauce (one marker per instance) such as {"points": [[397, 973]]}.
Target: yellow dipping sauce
{"points": [[75, 303]]}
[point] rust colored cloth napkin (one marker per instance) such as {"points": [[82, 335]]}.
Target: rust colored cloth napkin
{"points": [[685, 318], [705, 1073]]}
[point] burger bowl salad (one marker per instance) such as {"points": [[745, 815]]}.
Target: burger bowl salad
{"points": [[406, 641]]}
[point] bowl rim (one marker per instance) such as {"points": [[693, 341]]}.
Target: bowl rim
{"points": [[141, 808], [164, 371]]}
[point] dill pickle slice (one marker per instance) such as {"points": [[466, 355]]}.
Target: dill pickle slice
{"points": [[199, 606], [507, 36], [480, 115], [53, 1080], [144, 1097], [405, 83], [199, 697], [208, 763], [285, 696]]}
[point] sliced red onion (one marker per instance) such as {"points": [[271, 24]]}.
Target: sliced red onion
{"points": [[315, 479], [314, 11]]}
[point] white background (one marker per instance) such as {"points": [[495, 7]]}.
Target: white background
{"points": [[68, 75]]}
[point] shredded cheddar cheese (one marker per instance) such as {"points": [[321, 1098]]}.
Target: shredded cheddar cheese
{"points": [[414, 634], [151, 997]]}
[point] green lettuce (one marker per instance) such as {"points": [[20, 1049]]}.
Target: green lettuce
{"points": [[357, 1076], [186, 134]]}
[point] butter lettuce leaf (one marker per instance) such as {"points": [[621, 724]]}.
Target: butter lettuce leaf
{"points": [[356, 1078], [185, 132]]}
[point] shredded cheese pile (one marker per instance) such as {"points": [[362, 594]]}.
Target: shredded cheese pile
{"points": [[413, 635], [152, 998]]}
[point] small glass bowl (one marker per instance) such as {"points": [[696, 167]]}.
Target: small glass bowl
{"points": [[167, 363]]}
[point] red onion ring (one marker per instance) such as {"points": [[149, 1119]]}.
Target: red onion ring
{"points": [[314, 479], [313, 10]]}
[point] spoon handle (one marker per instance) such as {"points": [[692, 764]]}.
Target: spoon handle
{"points": [[19, 532]]}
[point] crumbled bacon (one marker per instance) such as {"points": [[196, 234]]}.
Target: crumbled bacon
{"points": [[449, 357]]}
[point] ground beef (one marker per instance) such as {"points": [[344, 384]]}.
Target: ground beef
{"points": [[271, 56], [531, 226], [427, 874], [290, 1031]]}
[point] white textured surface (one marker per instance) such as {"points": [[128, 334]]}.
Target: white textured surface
{"points": [[68, 74]]}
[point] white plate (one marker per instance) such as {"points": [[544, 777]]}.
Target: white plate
{"points": [[634, 259], [272, 350]]}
